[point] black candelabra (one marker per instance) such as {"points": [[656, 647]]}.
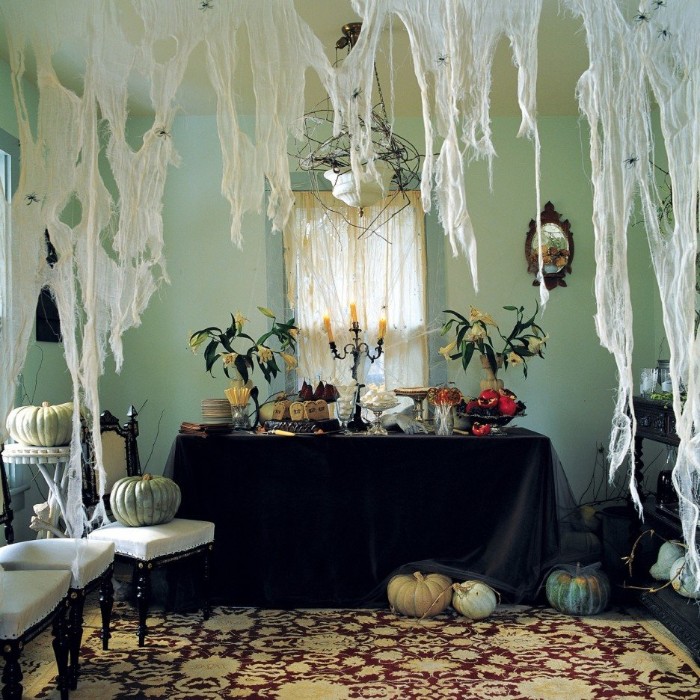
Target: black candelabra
{"points": [[356, 349]]}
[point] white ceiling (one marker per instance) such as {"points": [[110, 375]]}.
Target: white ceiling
{"points": [[562, 59]]}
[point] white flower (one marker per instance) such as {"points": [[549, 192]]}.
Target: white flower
{"points": [[264, 353], [229, 358], [476, 315], [534, 345], [289, 360], [448, 349], [240, 320], [475, 334], [514, 359]]}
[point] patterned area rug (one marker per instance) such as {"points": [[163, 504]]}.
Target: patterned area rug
{"points": [[519, 652]]}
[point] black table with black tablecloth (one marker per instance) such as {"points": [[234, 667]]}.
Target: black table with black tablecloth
{"points": [[324, 521]]}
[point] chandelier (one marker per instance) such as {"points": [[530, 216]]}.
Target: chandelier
{"points": [[396, 163]]}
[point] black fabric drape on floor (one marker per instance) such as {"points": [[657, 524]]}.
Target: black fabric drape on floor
{"points": [[325, 521]]}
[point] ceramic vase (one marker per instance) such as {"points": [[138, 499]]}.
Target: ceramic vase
{"points": [[491, 381]]}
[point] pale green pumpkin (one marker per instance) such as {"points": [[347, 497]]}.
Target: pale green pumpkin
{"points": [[473, 599], [682, 580], [578, 590], [669, 552], [41, 426], [144, 500], [419, 595]]}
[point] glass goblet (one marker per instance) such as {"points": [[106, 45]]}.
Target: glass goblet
{"points": [[345, 405]]}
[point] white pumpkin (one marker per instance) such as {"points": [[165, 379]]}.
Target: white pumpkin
{"points": [[43, 426], [681, 580], [669, 552], [473, 599]]}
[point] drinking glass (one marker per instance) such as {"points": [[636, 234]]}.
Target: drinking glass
{"points": [[345, 405]]}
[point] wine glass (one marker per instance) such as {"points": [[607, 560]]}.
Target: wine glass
{"points": [[345, 405]]}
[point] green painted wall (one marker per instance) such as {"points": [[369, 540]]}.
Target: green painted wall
{"points": [[569, 394]]}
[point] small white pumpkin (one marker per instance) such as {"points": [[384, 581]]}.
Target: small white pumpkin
{"points": [[669, 552], [474, 599], [681, 580], [42, 426]]}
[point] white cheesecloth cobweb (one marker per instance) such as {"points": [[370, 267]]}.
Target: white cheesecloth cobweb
{"points": [[110, 257], [656, 43]]}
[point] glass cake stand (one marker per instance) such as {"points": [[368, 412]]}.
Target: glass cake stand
{"points": [[376, 428], [418, 395]]}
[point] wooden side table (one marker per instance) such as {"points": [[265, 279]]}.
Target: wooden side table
{"points": [[44, 458]]}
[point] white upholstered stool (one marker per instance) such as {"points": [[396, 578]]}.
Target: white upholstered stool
{"points": [[150, 546], [90, 565], [29, 603]]}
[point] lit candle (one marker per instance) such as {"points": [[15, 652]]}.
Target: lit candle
{"points": [[353, 312], [382, 327], [329, 329]]}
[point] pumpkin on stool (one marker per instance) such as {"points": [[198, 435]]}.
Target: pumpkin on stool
{"points": [[578, 590], [144, 500], [41, 426], [419, 595]]}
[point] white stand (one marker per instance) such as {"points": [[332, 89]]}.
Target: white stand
{"points": [[45, 521]]}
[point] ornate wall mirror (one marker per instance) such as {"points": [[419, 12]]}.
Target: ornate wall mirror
{"points": [[557, 248]]}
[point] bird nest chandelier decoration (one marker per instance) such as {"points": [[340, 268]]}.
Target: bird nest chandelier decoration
{"points": [[394, 171]]}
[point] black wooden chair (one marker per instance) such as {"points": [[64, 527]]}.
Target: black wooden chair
{"points": [[150, 546]]}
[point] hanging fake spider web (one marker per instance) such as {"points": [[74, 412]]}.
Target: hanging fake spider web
{"points": [[111, 261]]}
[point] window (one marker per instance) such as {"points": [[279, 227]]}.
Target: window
{"points": [[329, 266]]}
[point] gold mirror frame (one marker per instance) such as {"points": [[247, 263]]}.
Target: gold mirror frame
{"points": [[557, 248]]}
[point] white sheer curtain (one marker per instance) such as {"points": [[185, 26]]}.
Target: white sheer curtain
{"points": [[329, 265]]}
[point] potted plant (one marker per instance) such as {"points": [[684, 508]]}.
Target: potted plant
{"points": [[479, 333], [240, 352]]}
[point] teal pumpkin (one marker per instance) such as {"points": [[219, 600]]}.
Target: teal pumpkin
{"points": [[144, 500], [578, 590]]}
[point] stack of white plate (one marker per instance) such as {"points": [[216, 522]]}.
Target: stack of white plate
{"points": [[216, 411]]}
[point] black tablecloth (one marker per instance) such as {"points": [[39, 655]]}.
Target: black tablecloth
{"points": [[322, 521]]}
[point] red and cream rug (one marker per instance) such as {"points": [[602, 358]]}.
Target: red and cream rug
{"points": [[519, 652]]}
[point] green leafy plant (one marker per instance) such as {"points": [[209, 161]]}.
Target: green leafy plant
{"points": [[476, 334], [237, 349]]}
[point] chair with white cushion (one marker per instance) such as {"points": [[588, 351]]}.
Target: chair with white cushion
{"points": [[89, 565], [149, 546], [29, 603]]}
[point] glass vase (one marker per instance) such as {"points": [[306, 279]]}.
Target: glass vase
{"points": [[443, 419]]}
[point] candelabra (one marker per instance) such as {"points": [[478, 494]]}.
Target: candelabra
{"points": [[357, 349]]}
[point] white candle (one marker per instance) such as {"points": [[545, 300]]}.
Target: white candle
{"points": [[353, 312], [329, 329], [382, 328]]}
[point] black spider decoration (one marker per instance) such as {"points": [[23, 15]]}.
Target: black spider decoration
{"points": [[632, 160], [206, 5], [31, 198], [442, 60], [356, 93], [641, 17], [664, 34], [162, 132], [659, 3]]}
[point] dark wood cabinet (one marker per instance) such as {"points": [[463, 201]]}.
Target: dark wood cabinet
{"points": [[656, 421]]}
